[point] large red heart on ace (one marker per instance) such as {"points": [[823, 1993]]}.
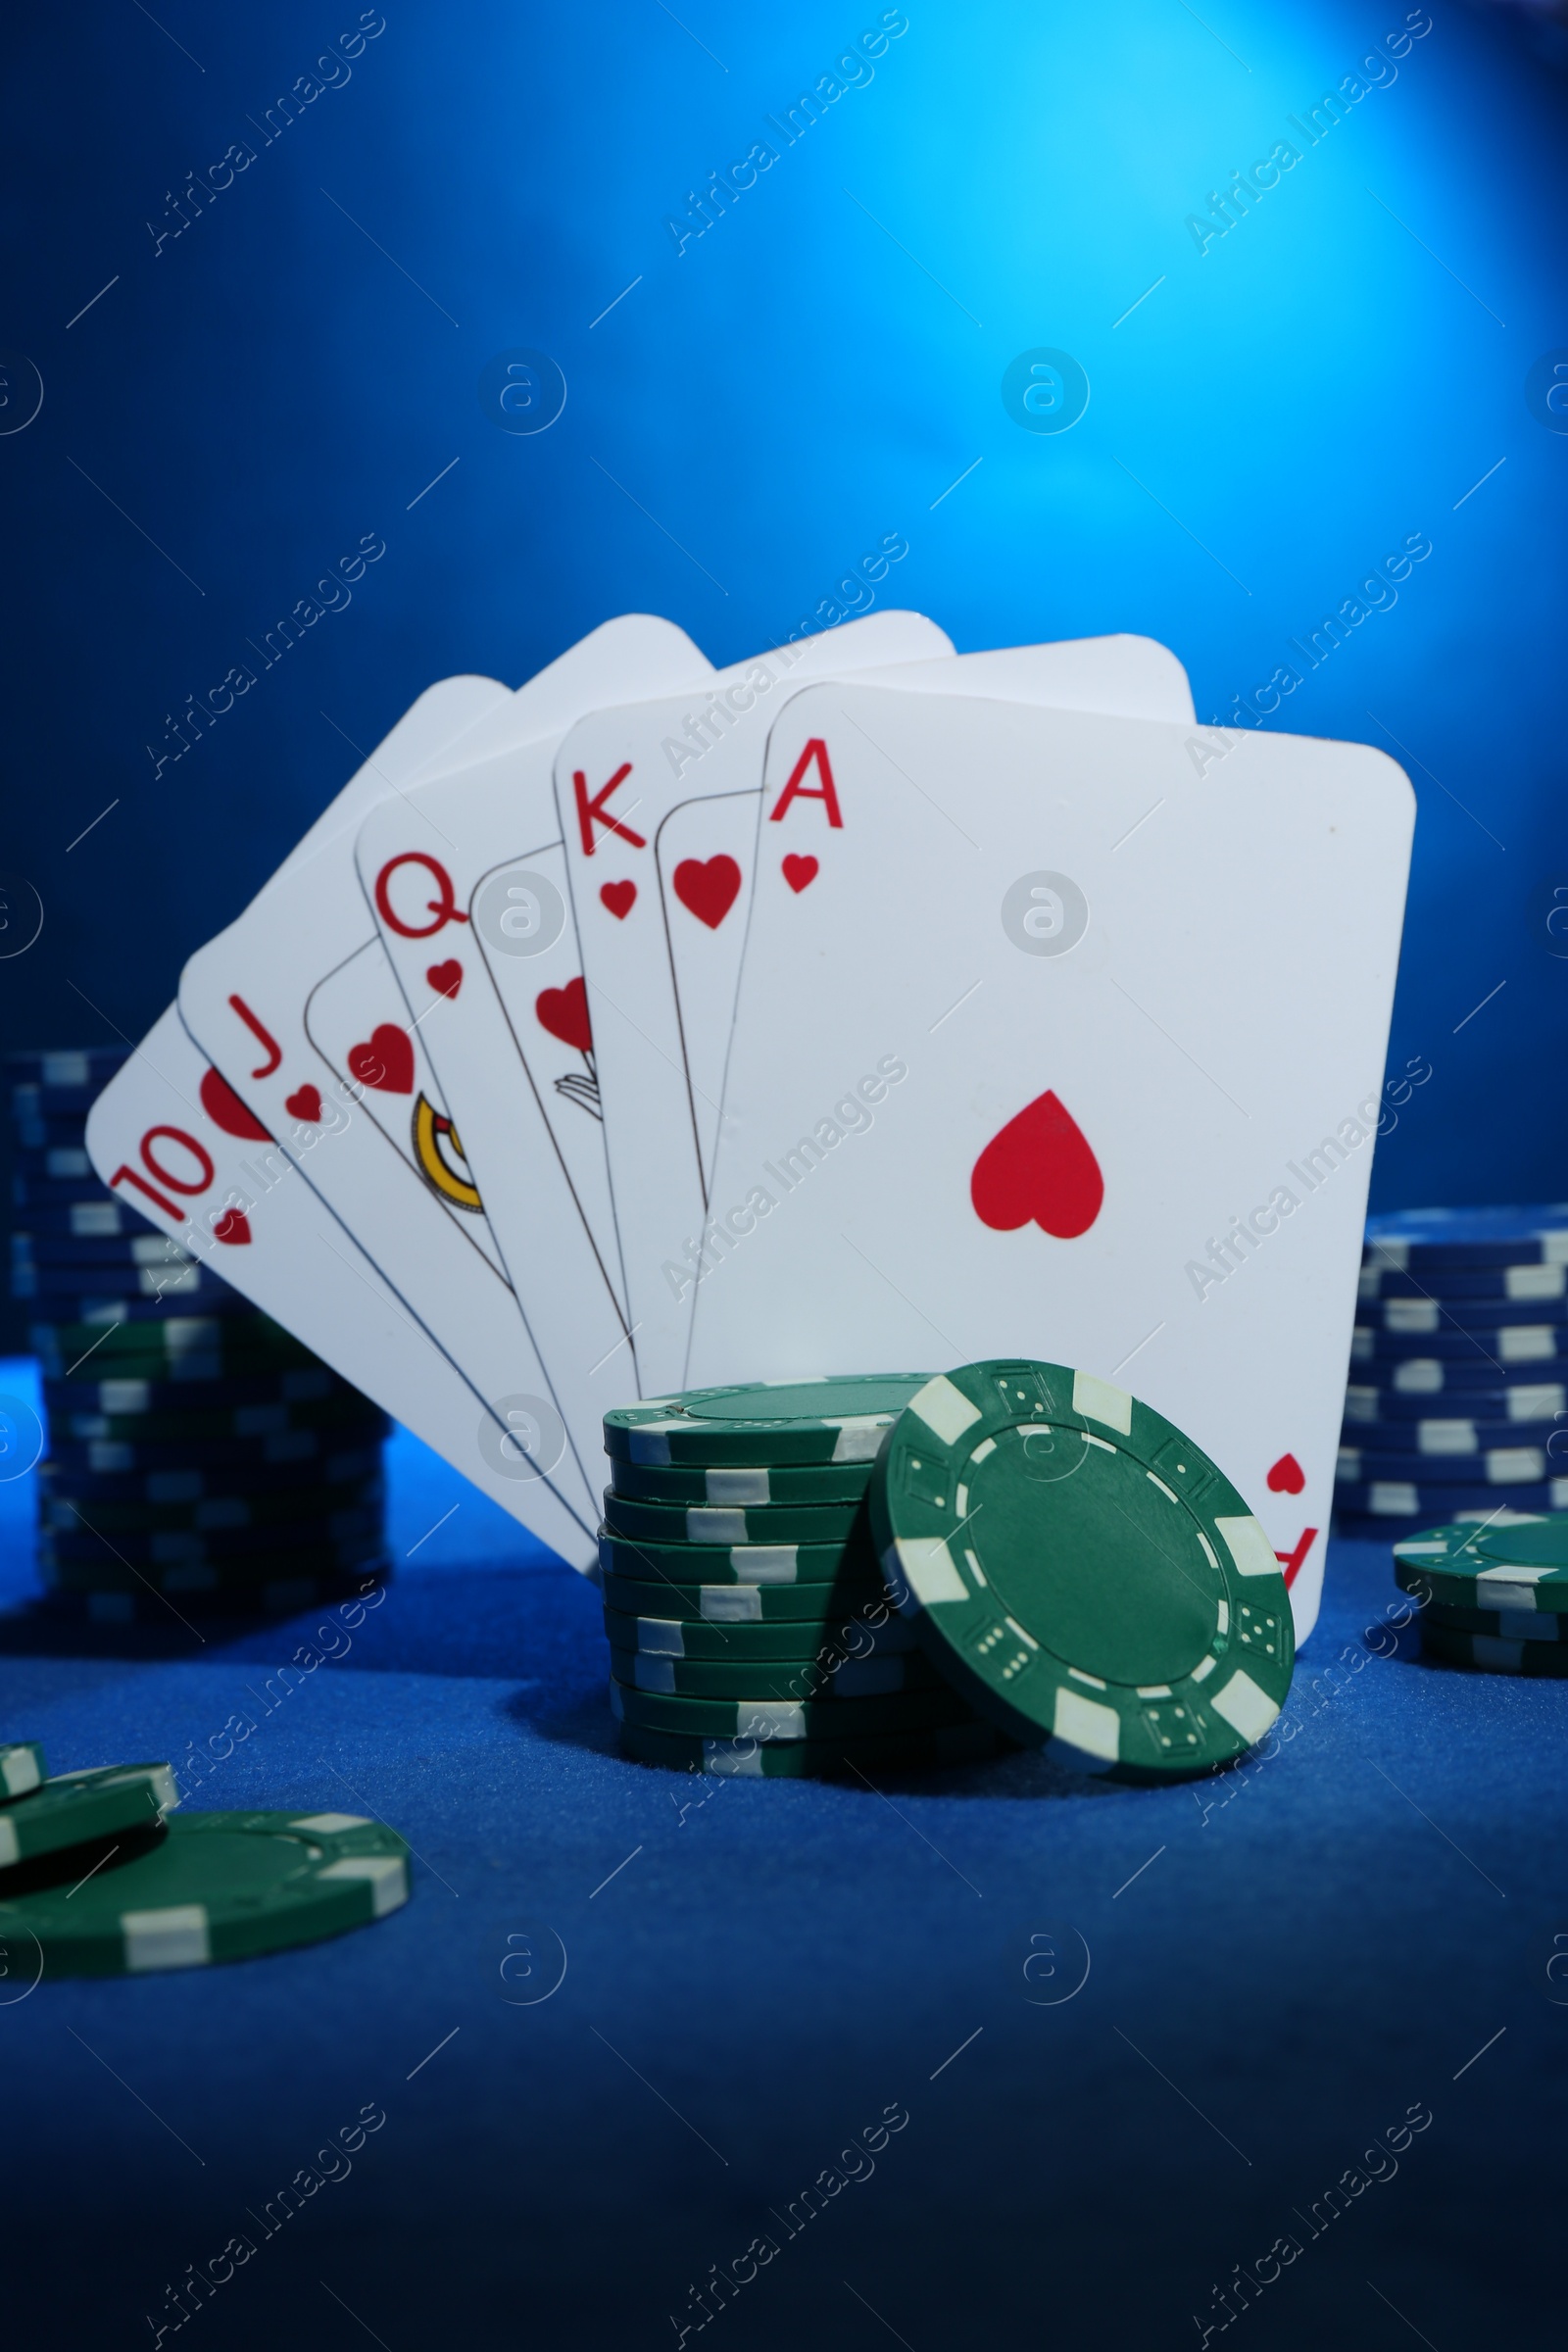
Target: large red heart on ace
{"points": [[564, 1012], [1039, 1169], [707, 890], [386, 1061]]}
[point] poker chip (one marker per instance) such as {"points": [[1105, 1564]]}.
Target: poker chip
{"points": [[1492, 1655], [167, 1348], [744, 1604], [207, 1888], [787, 1680], [49, 1066], [344, 1420], [1522, 1565], [864, 1759], [1510, 1465], [22, 1767], [856, 1761], [749, 1485], [203, 1593], [1526, 1285], [289, 1508], [81, 1253], [740, 1563], [103, 1295], [305, 1383], [341, 1539], [769, 1719], [1494, 1349], [237, 1467], [1082, 1571], [1420, 1317], [881, 1632], [1542, 1403], [1508, 1625], [776, 1423], [71, 1808], [1428, 1501], [725, 1525], [1434, 1240]]}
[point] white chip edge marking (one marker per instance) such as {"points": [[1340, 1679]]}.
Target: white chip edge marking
{"points": [[1105, 1444], [1248, 1547], [707, 1526], [730, 1604], [9, 1847], [1034, 1645], [1208, 1551], [733, 1759], [177, 1936], [987, 1446], [1203, 1670], [1093, 1682], [765, 1563], [736, 1486], [327, 1825], [655, 1674], [385, 1875], [20, 1770], [945, 1409], [975, 1569], [859, 1440], [1160, 1483], [1098, 1401], [1245, 1707], [928, 1568], [960, 1501], [1085, 1724], [661, 1637]]}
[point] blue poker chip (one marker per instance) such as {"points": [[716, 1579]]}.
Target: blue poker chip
{"points": [[1396, 1498], [61, 1172], [1434, 1240], [127, 1245], [1383, 1417], [168, 1290], [123, 1399], [1514, 1462], [211, 1470], [1417, 1318], [1466, 1289], [65, 1065], [95, 1220], [1495, 1350]]}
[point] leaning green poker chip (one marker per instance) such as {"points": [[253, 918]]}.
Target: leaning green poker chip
{"points": [[788, 1679], [76, 1807], [1082, 1570], [881, 1632], [789, 1718], [1547, 1659], [776, 1422], [213, 1886], [739, 1484], [709, 1523], [855, 1760], [739, 1563], [1522, 1564], [1506, 1625], [747, 1604], [22, 1768]]}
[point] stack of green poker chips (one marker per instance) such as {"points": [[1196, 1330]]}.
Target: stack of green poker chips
{"points": [[749, 1630], [1495, 1592], [1082, 1571]]}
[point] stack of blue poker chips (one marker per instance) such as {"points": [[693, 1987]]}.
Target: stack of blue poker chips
{"points": [[196, 1457], [1457, 1402]]}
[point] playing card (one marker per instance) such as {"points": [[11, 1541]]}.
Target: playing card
{"points": [[662, 966], [1062, 1034], [245, 997], [617, 775], [170, 1137], [466, 879]]}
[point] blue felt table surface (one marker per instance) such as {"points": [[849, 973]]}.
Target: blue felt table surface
{"points": [[1282, 1964]]}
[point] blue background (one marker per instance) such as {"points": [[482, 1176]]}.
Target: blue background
{"points": [[1273, 1983], [763, 407]]}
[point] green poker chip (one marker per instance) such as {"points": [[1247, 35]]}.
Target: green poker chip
{"points": [[77, 1808], [1510, 1563], [728, 1525], [1494, 1655], [1508, 1625], [1082, 1571], [747, 1604], [736, 1483], [784, 1678], [826, 1639], [768, 1719], [22, 1768], [776, 1422], [208, 1886], [855, 1760], [739, 1563]]}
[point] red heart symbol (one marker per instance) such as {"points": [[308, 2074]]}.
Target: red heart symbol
{"points": [[798, 871], [232, 1226], [708, 891], [619, 898], [226, 1109], [564, 1012], [1286, 1476], [1039, 1166], [446, 978], [304, 1104], [388, 1061]]}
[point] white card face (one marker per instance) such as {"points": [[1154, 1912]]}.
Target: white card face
{"points": [[242, 1204], [244, 998], [466, 878], [618, 776], [1058, 1036]]}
